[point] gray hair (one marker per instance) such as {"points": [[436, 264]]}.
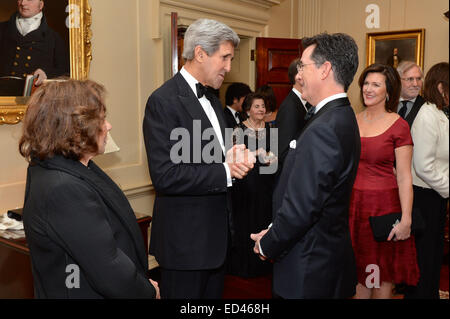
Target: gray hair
{"points": [[208, 34], [404, 66]]}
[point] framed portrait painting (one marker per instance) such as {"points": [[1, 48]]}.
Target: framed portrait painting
{"points": [[395, 46]]}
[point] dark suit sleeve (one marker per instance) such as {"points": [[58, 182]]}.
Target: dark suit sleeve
{"points": [[161, 121], [77, 220], [289, 121], [313, 174]]}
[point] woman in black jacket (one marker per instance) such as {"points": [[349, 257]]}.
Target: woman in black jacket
{"points": [[83, 236]]}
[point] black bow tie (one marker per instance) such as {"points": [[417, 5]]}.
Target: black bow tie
{"points": [[310, 113], [201, 90]]}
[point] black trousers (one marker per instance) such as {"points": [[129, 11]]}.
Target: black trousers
{"points": [[430, 244], [192, 284]]}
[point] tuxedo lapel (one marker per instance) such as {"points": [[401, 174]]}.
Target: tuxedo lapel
{"points": [[414, 110], [190, 102], [192, 105], [219, 113], [335, 103]]}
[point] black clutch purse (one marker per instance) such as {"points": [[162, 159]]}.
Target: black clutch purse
{"points": [[382, 225]]}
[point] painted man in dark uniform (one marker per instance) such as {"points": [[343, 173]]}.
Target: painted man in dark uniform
{"points": [[29, 46]]}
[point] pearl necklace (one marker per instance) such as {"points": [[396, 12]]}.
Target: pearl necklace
{"points": [[254, 126]]}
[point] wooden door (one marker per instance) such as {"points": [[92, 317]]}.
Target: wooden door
{"points": [[273, 56]]}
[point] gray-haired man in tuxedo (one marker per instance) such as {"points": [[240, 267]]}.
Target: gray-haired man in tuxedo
{"points": [[190, 223]]}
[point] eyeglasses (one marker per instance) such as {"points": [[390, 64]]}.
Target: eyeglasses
{"points": [[411, 79], [301, 65]]}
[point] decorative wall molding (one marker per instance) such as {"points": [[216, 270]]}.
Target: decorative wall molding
{"points": [[243, 10], [139, 191], [267, 4], [309, 17]]}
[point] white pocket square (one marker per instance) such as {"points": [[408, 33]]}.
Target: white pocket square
{"points": [[293, 144]]}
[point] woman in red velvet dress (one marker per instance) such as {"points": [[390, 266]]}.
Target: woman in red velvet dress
{"points": [[380, 189]]}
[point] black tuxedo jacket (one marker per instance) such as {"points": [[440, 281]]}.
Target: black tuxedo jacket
{"points": [[310, 238], [230, 120], [290, 121], [190, 215], [75, 215], [414, 110]]}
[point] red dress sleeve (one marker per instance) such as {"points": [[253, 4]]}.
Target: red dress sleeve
{"points": [[402, 134]]}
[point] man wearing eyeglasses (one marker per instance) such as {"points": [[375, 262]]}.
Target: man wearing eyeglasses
{"points": [[309, 239], [410, 100]]}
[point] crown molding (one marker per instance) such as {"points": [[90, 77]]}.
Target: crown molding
{"points": [[266, 4], [247, 11]]}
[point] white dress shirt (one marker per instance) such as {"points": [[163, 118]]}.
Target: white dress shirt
{"points": [[430, 133], [233, 111], [329, 99], [297, 92], [211, 114]]}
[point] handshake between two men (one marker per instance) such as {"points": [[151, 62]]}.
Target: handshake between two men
{"points": [[240, 161]]}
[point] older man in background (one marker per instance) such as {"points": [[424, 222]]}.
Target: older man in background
{"points": [[410, 100]]}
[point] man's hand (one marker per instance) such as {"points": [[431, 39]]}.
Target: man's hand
{"points": [[155, 284], [240, 161], [41, 76], [257, 238]]}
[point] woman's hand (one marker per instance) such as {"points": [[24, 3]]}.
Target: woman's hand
{"points": [[401, 231]]}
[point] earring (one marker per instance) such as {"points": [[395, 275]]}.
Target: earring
{"points": [[387, 98]]}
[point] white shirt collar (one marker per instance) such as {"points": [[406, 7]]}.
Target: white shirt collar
{"points": [[413, 100], [329, 99], [189, 79], [297, 92], [233, 111]]}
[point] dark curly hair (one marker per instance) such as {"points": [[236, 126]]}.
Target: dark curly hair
{"points": [[64, 117], [340, 50]]}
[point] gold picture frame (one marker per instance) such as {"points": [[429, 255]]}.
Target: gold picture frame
{"points": [[394, 46], [13, 108]]}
